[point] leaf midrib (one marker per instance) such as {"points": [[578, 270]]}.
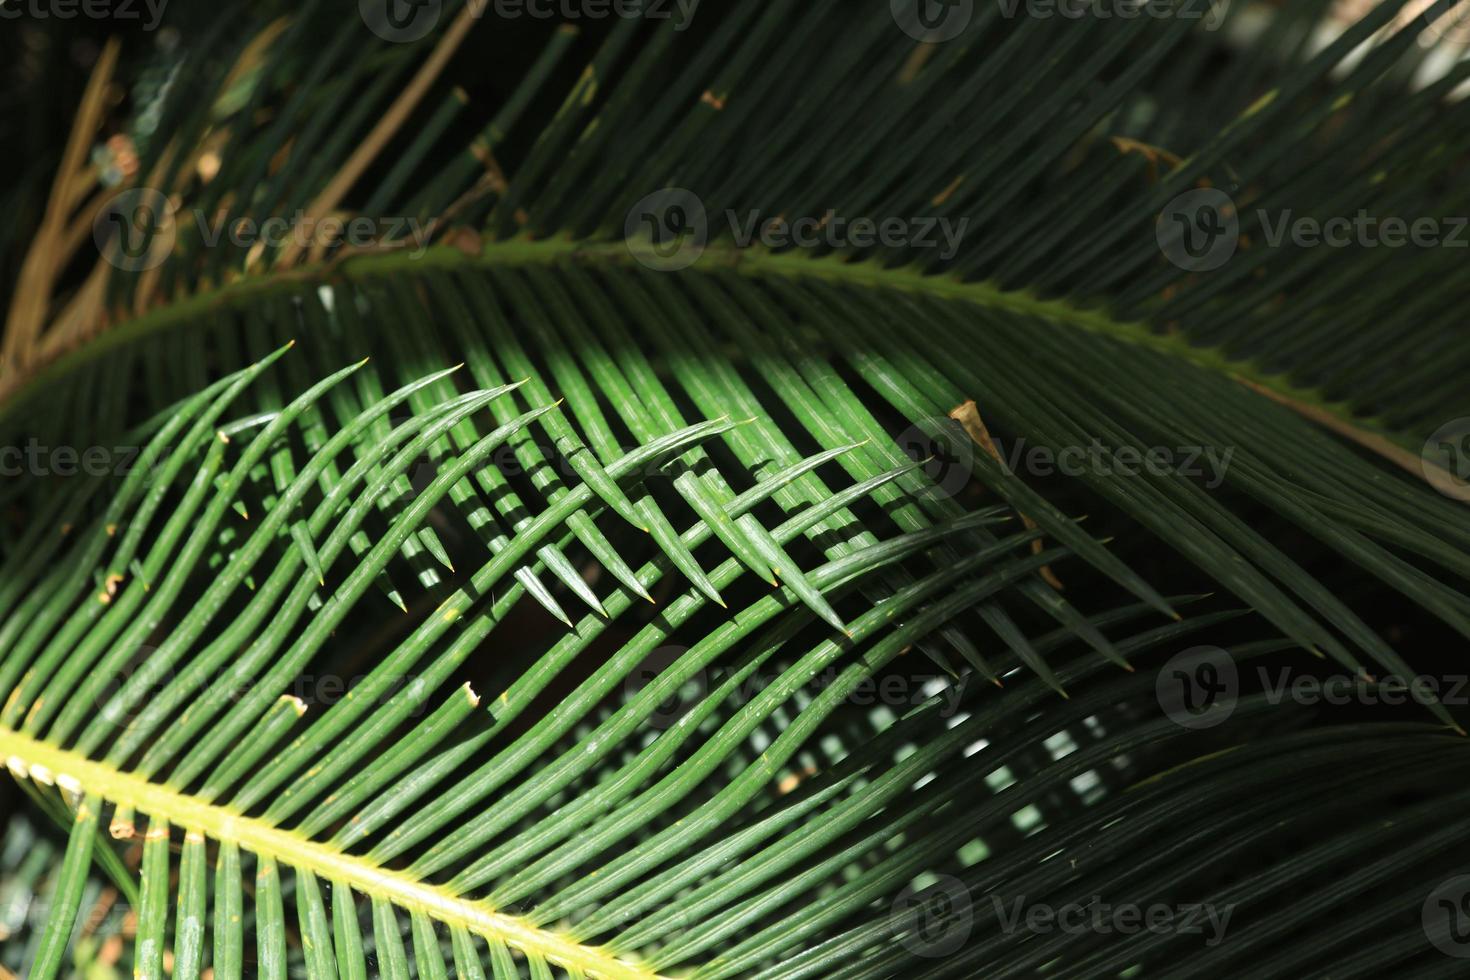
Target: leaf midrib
{"points": [[47, 763], [754, 262]]}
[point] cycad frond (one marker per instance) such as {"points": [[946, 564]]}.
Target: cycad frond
{"points": [[720, 457]]}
